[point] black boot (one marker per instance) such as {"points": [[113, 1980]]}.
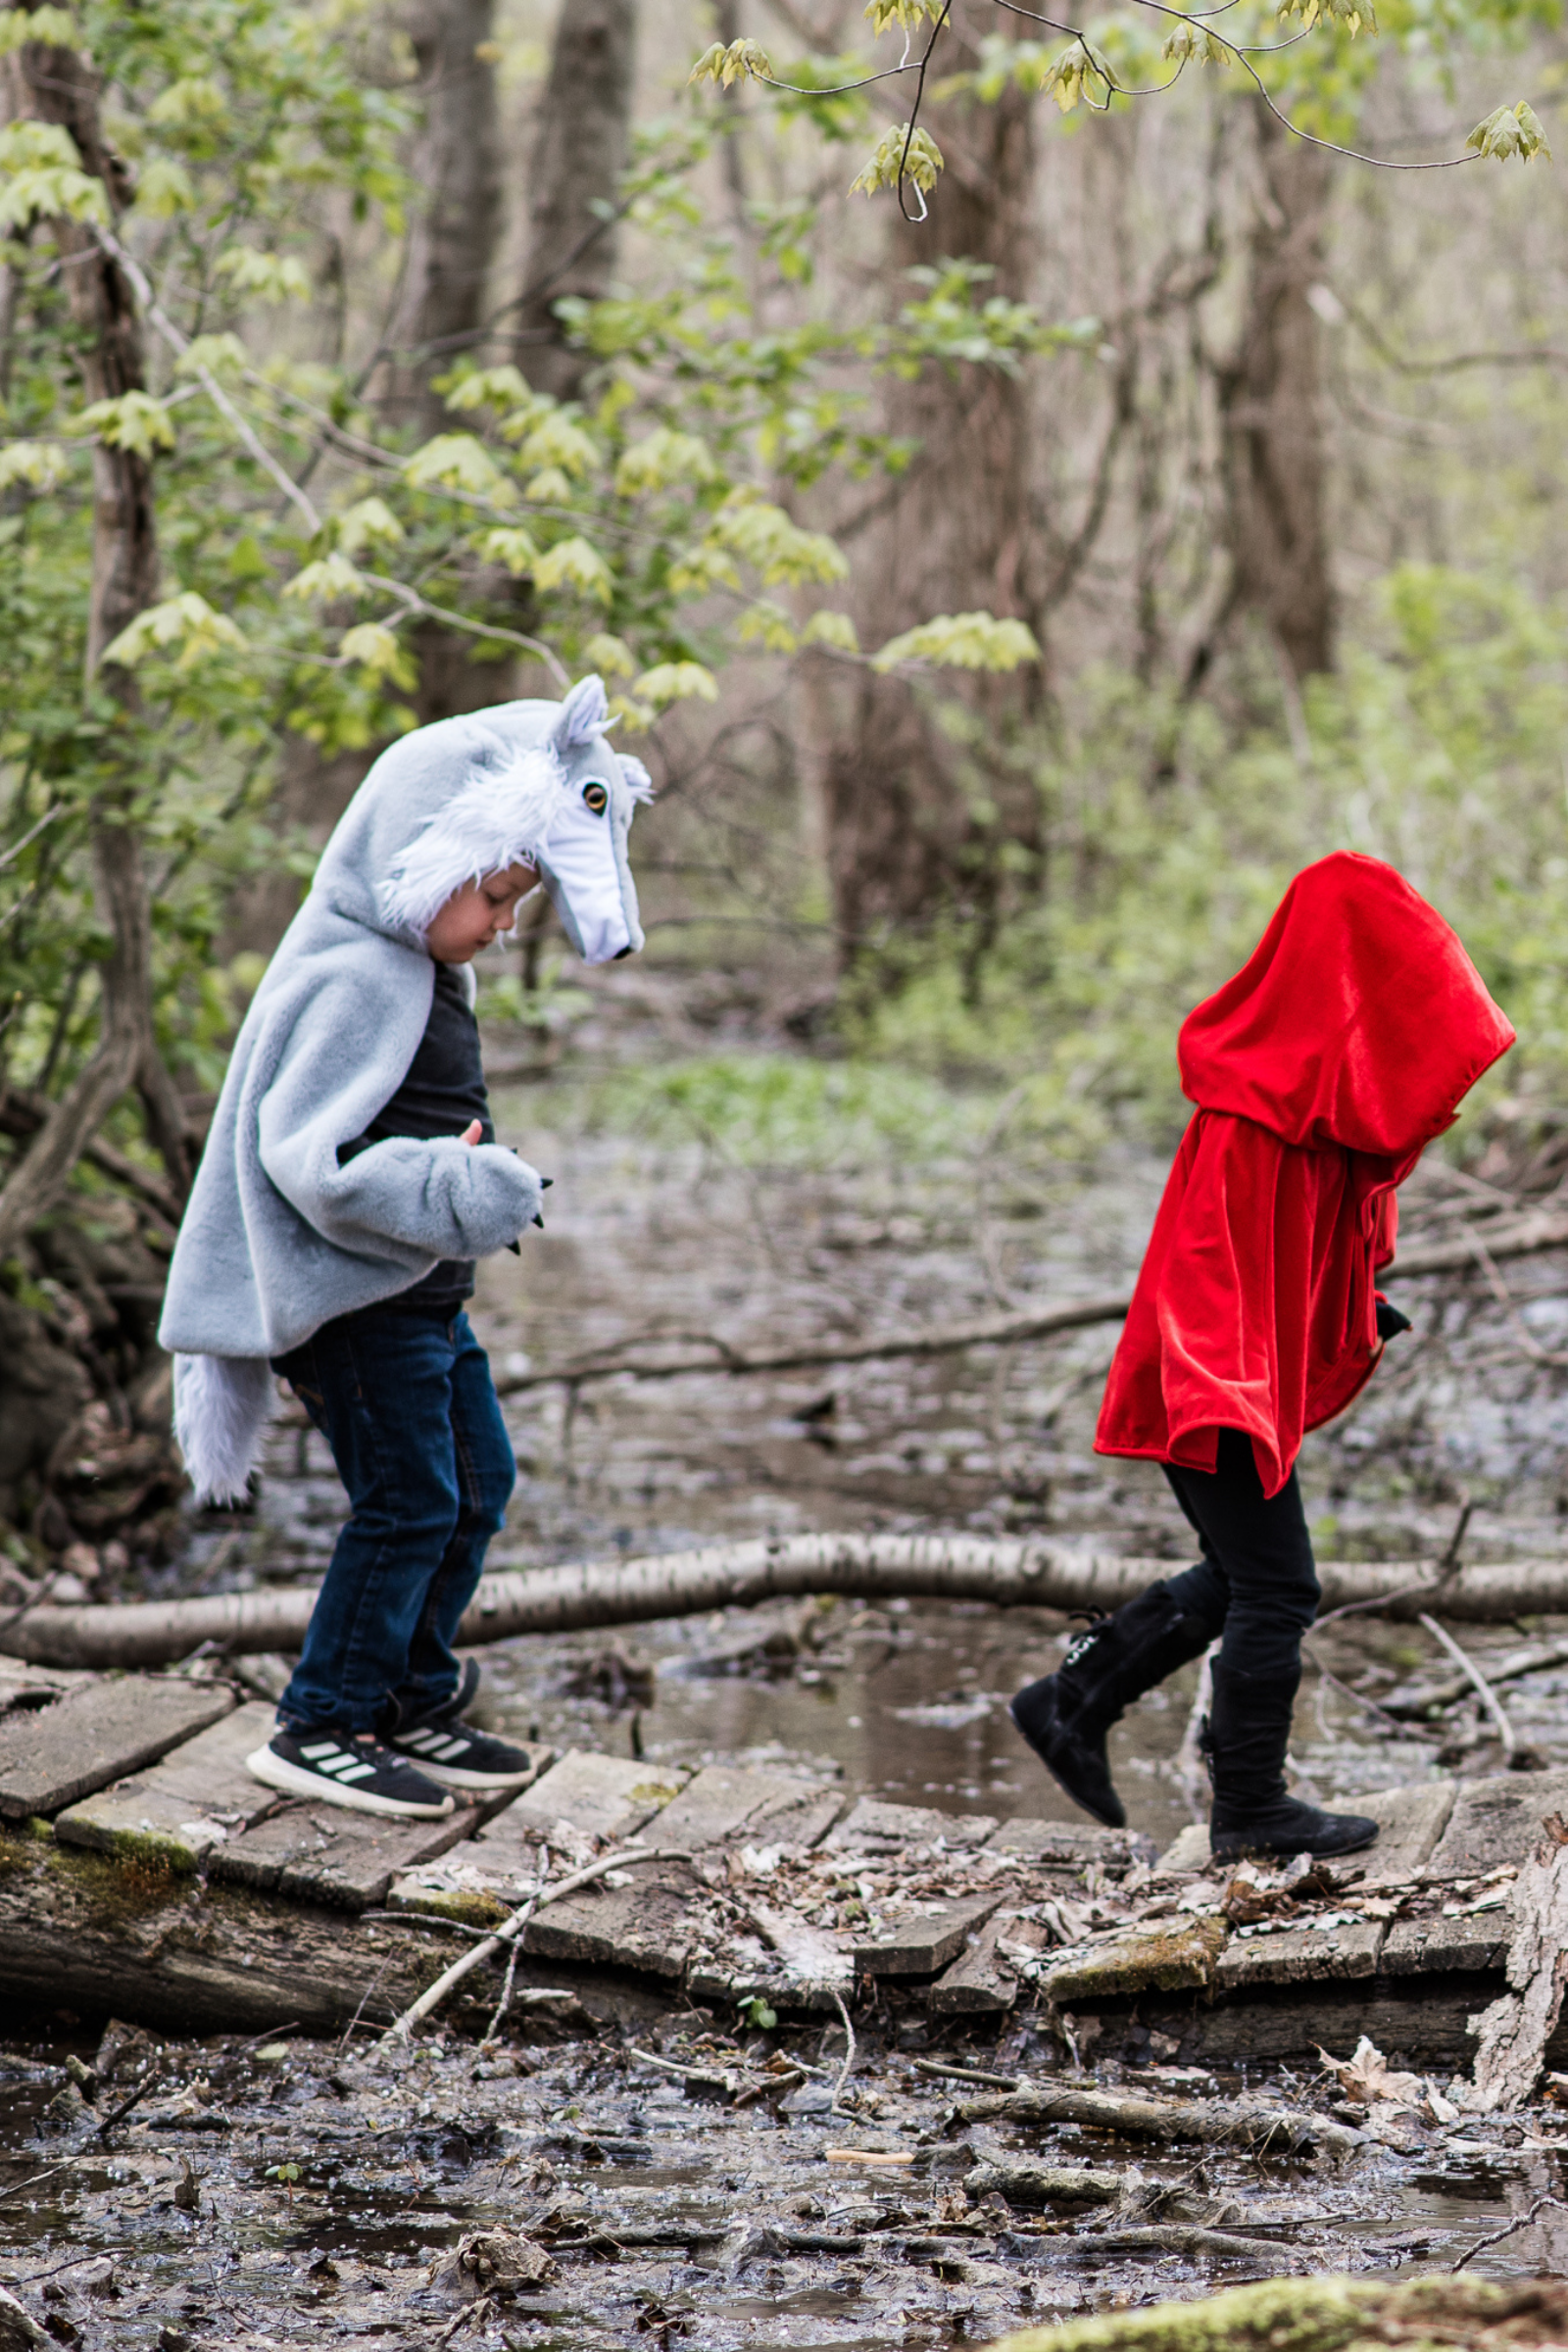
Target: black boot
{"points": [[1245, 1740], [1065, 1716]]}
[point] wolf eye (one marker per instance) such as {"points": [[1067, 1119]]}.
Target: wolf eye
{"points": [[596, 798]]}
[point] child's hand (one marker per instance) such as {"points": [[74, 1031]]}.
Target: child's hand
{"points": [[472, 1133]]}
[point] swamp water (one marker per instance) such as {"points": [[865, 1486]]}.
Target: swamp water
{"points": [[290, 2193]]}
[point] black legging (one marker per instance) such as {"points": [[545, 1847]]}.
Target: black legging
{"points": [[1257, 1581]]}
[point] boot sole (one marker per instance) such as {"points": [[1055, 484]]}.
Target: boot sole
{"points": [[1238, 1847], [453, 1777], [1107, 1820], [276, 1771]]}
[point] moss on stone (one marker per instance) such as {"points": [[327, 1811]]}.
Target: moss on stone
{"points": [[1325, 2315], [1161, 1959]]}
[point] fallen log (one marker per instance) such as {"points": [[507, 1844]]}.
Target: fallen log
{"points": [[1008, 1571], [1513, 1237], [158, 1949]]}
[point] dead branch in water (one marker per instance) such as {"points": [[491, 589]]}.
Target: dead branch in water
{"points": [[1007, 1571], [1518, 1237], [1228, 2123], [1473, 1675]]}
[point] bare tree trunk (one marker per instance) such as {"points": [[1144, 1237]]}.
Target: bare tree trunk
{"points": [[458, 163], [574, 182], [58, 85], [917, 822], [1272, 409]]}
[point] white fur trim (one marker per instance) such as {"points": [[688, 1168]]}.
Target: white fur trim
{"points": [[500, 817], [222, 1406]]}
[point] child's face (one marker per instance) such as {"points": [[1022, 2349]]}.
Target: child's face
{"points": [[474, 915]]}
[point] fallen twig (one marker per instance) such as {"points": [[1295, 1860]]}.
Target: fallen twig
{"points": [[849, 2053], [967, 2074], [1494, 2237], [1424, 1698], [538, 1899], [1488, 1697]]}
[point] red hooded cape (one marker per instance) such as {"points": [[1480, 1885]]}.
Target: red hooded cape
{"points": [[1320, 1072]]}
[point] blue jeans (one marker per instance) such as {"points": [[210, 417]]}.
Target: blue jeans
{"points": [[1258, 1581], [406, 1401]]}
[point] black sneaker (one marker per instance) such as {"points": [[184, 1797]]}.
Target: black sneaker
{"points": [[455, 1752], [359, 1774]]}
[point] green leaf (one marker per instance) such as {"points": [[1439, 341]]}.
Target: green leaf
{"points": [[1350, 16], [835, 630], [1510, 130], [369, 522], [677, 682], [962, 640], [487, 387], [326, 580], [782, 552], [134, 422], [769, 626], [194, 102], [511, 545], [1081, 71], [720, 65], [700, 569], [38, 464], [270, 276], [55, 27], [661, 458], [217, 353], [758, 2014], [164, 187], [556, 441], [574, 563], [44, 177], [610, 656], [187, 622], [905, 15], [1194, 44], [920, 159], [376, 648], [457, 461]]}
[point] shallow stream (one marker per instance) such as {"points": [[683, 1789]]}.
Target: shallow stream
{"points": [[318, 2187]]}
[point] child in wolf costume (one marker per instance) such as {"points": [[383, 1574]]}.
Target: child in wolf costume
{"points": [[1320, 1073], [349, 1181]]}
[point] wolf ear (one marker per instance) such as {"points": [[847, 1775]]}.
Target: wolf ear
{"points": [[584, 714]]}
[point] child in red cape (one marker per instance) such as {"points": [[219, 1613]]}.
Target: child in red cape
{"points": [[1320, 1072]]}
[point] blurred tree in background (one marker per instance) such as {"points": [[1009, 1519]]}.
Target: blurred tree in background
{"points": [[1009, 581]]}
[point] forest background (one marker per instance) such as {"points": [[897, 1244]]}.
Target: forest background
{"points": [[1008, 583]]}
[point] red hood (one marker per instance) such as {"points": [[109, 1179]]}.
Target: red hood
{"points": [[1359, 1020]]}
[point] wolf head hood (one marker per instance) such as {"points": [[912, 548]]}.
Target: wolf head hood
{"points": [[1344, 1044], [526, 783], [277, 1237]]}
